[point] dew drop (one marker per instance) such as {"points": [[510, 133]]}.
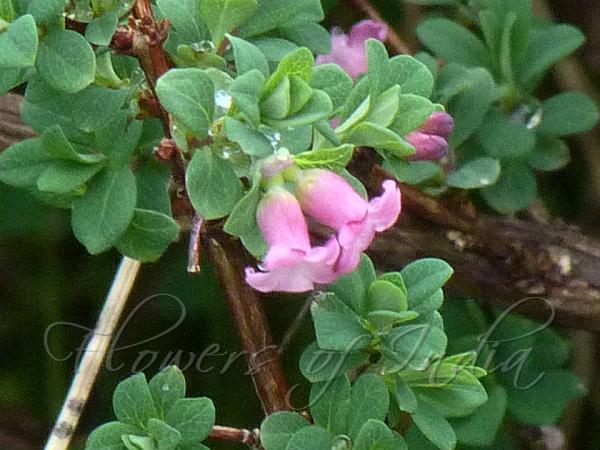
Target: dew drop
{"points": [[165, 388], [528, 114], [223, 100]]}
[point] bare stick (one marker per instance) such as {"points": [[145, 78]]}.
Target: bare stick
{"points": [[195, 244], [93, 356], [241, 436]]}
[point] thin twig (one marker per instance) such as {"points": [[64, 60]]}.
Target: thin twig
{"points": [[238, 435], [393, 37], [296, 325], [194, 251], [93, 356], [229, 259]]}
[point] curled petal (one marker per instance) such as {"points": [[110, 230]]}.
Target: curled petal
{"points": [[384, 210], [367, 29], [279, 280]]}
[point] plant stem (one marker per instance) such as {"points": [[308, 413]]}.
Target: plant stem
{"points": [[264, 361], [93, 356], [238, 435]]}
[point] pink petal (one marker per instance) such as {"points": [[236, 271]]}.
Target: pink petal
{"points": [[322, 261], [384, 210], [367, 29], [281, 220], [329, 198], [279, 280], [279, 256]]}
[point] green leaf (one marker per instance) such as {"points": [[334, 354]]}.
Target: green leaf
{"points": [[334, 159], [166, 387], [119, 139], [502, 138], [404, 396], [413, 172], [187, 26], [324, 365], [470, 107], [189, 95], [334, 81], [212, 185], [11, 78], [374, 435], [132, 401], [222, 16], [298, 63], [23, 163], [370, 399], [377, 62], [252, 142], [337, 326], [192, 417], [277, 429], [547, 45], [423, 278], [531, 405], [62, 177], [166, 436], [66, 61], [242, 220], [413, 111], [47, 12], [152, 184], [453, 42], [329, 404], [56, 144], [385, 295], [480, 428], [148, 236], [103, 214], [414, 346], [108, 436], [568, 113], [7, 10], [95, 107], [411, 75], [352, 287], [19, 44], [435, 428], [271, 14], [450, 390], [319, 107], [245, 92], [549, 154], [311, 437], [278, 103], [385, 109], [308, 34], [477, 173], [248, 57], [370, 135], [515, 190], [100, 30]]}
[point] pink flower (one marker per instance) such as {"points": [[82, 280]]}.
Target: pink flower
{"points": [[291, 263], [348, 50], [330, 200], [428, 147], [429, 140], [439, 123]]}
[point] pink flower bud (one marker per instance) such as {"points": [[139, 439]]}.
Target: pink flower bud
{"points": [[348, 50], [329, 199], [429, 147], [439, 123], [291, 263]]}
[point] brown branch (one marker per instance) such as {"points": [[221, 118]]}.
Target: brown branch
{"points": [[500, 260], [229, 259], [241, 436], [393, 38]]}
